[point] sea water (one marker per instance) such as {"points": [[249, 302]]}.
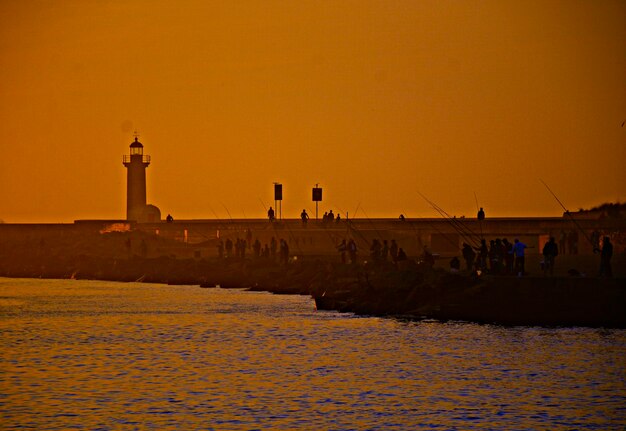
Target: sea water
{"points": [[106, 356]]}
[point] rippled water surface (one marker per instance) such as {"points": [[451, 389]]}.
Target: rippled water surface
{"points": [[101, 355]]}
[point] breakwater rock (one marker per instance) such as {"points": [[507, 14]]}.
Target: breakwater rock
{"points": [[429, 293], [409, 290]]}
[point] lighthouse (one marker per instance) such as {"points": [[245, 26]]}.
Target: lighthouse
{"points": [[136, 208]]}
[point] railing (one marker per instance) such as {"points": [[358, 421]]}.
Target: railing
{"points": [[129, 158]]}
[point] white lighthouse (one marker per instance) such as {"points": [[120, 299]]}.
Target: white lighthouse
{"points": [[136, 208]]}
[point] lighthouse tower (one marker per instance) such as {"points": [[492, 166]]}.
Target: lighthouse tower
{"points": [[136, 163]]}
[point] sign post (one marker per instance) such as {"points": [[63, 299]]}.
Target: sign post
{"points": [[317, 197], [278, 199]]}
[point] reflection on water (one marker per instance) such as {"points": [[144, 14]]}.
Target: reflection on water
{"points": [[100, 355]]}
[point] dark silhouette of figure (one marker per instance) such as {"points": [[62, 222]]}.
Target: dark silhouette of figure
{"points": [[270, 214], [375, 250], [550, 252], [331, 216], [481, 214], [305, 217], [273, 247], [401, 217], [605, 258], [455, 264], [229, 247], [562, 241], [342, 248], [249, 238], [492, 256], [338, 219], [572, 242], [483, 254], [393, 251], [595, 240], [220, 249], [384, 252], [469, 256], [352, 250], [518, 252], [401, 255], [169, 218], [284, 251], [257, 248], [427, 257], [508, 256]]}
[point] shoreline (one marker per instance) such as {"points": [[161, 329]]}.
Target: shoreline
{"points": [[409, 291]]}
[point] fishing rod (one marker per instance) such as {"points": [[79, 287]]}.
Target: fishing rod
{"points": [[570, 215], [456, 245], [480, 222], [466, 233], [350, 227], [373, 225], [461, 226]]}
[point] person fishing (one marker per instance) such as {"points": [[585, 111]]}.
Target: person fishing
{"points": [[518, 252], [605, 258], [550, 252], [469, 256]]}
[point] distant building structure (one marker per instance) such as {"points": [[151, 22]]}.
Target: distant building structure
{"points": [[136, 163]]}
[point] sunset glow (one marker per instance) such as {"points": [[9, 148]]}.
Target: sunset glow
{"points": [[375, 101]]}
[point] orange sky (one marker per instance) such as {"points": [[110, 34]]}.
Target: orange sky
{"points": [[374, 100]]}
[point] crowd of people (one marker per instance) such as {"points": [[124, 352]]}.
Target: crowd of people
{"points": [[500, 257], [237, 249]]}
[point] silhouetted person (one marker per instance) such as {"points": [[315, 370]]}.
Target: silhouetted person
{"points": [[305, 217], [352, 251], [427, 257], [469, 256], [270, 214], [401, 217], [331, 216], [605, 258], [229, 247], [273, 247], [483, 254], [595, 240], [550, 252], [342, 248], [242, 248], [518, 252], [384, 252], [393, 251], [169, 218], [481, 214], [508, 256], [401, 255], [284, 251], [249, 238], [375, 250], [562, 241], [220, 249], [257, 248], [338, 217], [455, 264]]}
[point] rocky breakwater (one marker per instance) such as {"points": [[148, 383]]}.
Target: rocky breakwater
{"points": [[421, 292]]}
